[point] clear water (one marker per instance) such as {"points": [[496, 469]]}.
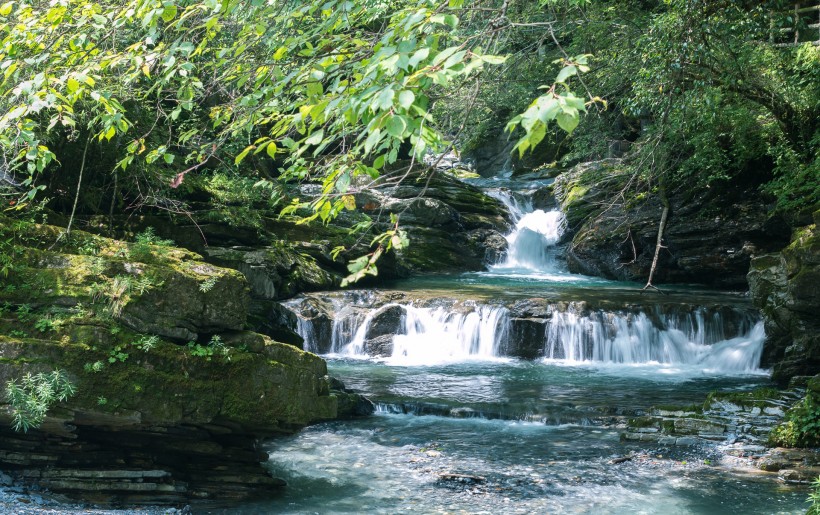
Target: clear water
{"points": [[539, 435]]}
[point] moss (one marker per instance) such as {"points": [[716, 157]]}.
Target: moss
{"points": [[755, 398], [643, 422]]}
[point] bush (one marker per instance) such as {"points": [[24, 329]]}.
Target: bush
{"points": [[32, 397], [802, 425]]}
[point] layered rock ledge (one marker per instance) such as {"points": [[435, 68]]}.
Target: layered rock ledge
{"points": [[172, 394]]}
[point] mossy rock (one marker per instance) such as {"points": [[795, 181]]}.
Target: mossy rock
{"points": [[167, 292], [266, 387]]}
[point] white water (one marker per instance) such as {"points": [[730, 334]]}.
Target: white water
{"points": [[428, 336], [690, 342], [437, 336], [605, 338], [531, 243]]}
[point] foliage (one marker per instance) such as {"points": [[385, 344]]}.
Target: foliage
{"points": [[801, 427], [814, 498], [32, 396], [147, 245], [207, 285], [268, 93], [214, 346]]}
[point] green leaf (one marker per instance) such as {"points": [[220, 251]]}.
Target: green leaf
{"points": [[406, 98], [271, 149], [72, 84], [169, 11], [419, 56], [567, 121], [372, 140], [384, 100], [396, 126], [343, 183], [315, 138], [242, 155], [6, 8], [565, 73]]}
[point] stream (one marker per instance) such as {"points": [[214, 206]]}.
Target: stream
{"points": [[506, 391]]}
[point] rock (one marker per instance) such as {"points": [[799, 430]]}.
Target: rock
{"points": [[622, 459], [387, 320], [274, 272], [381, 346], [180, 426], [152, 289], [274, 320], [462, 478], [152, 421], [710, 237], [786, 288], [527, 337]]}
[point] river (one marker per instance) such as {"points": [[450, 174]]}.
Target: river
{"points": [[506, 391]]}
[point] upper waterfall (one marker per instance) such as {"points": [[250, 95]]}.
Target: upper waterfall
{"points": [[531, 243]]}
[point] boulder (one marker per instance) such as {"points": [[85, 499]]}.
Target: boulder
{"points": [[274, 272], [386, 321], [153, 420], [164, 425]]}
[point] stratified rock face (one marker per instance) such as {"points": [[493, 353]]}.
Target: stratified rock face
{"points": [[786, 288], [451, 225], [156, 418], [165, 425], [708, 240]]}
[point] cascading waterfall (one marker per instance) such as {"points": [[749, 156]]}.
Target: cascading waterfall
{"points": [[431, 335], [635, 339], [428, 335], [437, 335], [530, 245]]}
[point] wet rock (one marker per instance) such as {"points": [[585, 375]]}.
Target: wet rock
{"points": [[381, 346], [710, 237], [786, 288], [462, 478], [387, 320], [527, 338]]}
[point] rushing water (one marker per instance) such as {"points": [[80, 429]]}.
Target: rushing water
{"points": [[463, 426], [540, 434]]}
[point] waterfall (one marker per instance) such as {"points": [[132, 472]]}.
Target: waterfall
{"points": [[531, 243], [304, 328], [722, 340], [692, 339], [422, 335], [437, 335]]}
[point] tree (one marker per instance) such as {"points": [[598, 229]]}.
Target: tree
{"points": [[328, 91]]}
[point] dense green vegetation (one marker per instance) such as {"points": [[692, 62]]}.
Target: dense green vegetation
{"points": [[143, 104]]}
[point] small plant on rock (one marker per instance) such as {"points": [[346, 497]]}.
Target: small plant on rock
{"points": [[207, 285], [32, 396]]}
